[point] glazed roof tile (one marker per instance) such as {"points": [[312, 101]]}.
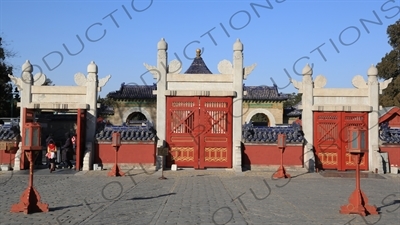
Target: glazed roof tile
{"points": [[8, 132], [134, 91], [263, 93], [198, 66]]}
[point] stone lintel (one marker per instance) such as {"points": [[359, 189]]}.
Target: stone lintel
{"points": [[346, 108], [62, 90], [198, 93], [70, 105], [209, 78], [55, 106], [340, 92]]}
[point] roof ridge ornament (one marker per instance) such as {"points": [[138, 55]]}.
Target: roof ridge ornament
{"points": [[198, 53]]}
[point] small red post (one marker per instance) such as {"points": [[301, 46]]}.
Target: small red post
{"points": [[30, 198], [281, 172], [358, 201], [116, 143]]}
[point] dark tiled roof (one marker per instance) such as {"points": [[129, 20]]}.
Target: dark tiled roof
{"points": [[8, 132], [389, 135], [263, 93], [146, 92], [128, 133], [133, 91], [198, 66], [294, 113], [106, 110], [270, 134]]}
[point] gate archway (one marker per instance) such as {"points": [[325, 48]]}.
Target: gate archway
{"points": [[81, 99], [199, 114], [327, 112]]}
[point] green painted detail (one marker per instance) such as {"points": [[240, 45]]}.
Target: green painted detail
{"points": [[138, 104], [259, 105]]}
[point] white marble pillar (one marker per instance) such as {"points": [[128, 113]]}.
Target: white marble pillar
{"points": [[162, 66], [25, 86], [373, 121], [237, 106], [91, 114], [307, 118]]}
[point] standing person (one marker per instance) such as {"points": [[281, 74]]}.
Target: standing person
{"points": [[48, 140], [67, 151], [51, 154], [73, 139]]}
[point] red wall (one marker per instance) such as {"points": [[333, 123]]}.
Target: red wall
{"points": [[269, 154], [6, 157], [253, 154], [131, 152], [393, 152]]}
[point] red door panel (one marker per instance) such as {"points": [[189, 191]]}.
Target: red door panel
{"points": [[331, 139], [326, 139], [199, 131], [353, 119], [181, 138], [216, 139]]}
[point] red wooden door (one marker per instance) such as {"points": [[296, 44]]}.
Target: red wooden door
{"points": [[199, 131], [216, 138], [331, 139], [182, 139], [326, 139], [353, 119]]}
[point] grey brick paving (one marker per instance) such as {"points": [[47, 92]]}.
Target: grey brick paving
{"points": [[196, 197]]}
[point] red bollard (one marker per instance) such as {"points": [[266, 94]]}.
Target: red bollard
{"points": [[30, 198], [281, 172], [358, 201], [116, 143]]}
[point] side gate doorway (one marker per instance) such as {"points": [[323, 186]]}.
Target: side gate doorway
{"points": [[199, 131], [331, 139], [29, 116]]}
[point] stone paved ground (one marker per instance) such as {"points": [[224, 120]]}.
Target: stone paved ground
{"points": [[196, 197]]}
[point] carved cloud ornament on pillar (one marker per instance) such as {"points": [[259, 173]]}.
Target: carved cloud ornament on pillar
{"points": [[37, 80], [153, 70], [81, 80], [307, 77], [175, 67], [225, 67], [359, 82]]}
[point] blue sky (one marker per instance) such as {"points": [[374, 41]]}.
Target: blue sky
{"points": [[275, 37]]}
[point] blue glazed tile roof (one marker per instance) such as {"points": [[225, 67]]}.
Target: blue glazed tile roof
{"points": [[134, 91], [198, 66], [8, 132], [263, 93], [128, 91], [128, 133], [253, 134], [389, 135]]}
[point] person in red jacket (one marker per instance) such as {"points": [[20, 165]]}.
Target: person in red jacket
{"points": [[51, 154]]}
